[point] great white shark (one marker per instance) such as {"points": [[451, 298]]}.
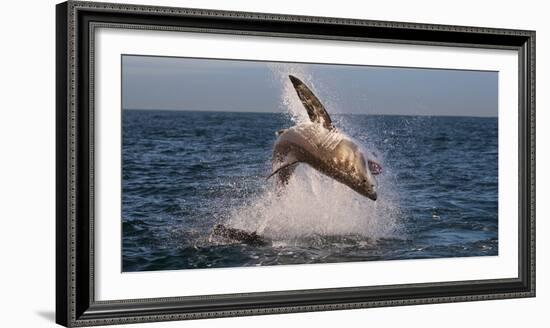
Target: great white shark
{"points": [[322, 146]]}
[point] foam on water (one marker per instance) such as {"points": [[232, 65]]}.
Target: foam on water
{"points": [[312, 203]]}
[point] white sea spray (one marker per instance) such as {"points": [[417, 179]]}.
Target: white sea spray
{"points": [[312, 203]]}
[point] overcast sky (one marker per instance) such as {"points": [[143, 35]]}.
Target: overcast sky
{"points": [[169, 83]]}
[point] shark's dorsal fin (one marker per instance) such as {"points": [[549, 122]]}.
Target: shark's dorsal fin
{"points": [[317, 113]]}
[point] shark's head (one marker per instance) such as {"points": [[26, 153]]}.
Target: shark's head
{"points": [[365, 184], [356, 171]]}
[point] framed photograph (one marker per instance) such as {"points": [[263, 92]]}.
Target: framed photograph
{"points": [[215, 163]]}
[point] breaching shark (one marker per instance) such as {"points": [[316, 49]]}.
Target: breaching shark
{"points": [[320, 145]]}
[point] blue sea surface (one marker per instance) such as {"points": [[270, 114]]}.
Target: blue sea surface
{"points": [[184, 172]]}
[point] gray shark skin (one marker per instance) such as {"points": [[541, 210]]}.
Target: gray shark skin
{"points": [[320, 145]]}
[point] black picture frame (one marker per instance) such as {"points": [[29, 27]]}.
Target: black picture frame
{"points": [[75, 302]]}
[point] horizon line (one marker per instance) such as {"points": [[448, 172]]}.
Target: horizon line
{"points": [[279, 112]]}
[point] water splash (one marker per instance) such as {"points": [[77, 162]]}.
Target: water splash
{"points": [[290, 103], [313, 204]]}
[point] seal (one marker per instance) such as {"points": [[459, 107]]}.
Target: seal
{"points": [[323, 147]]}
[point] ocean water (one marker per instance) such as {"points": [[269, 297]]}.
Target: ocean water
{"points": [[185, 171]]}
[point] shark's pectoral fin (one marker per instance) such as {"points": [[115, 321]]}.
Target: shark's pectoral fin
{"points": [[315, 110], [283, 166], [285, 171]]}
